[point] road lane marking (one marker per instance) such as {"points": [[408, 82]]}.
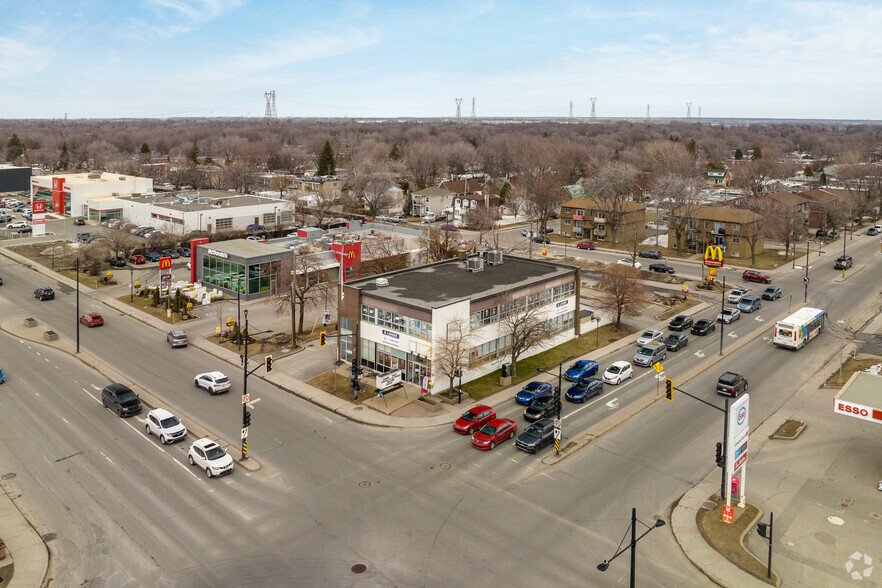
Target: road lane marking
{"points": [[699, 354], [613, 404], [107, 458]]}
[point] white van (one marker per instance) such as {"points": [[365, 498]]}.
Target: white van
{"points": [[429, 217]]}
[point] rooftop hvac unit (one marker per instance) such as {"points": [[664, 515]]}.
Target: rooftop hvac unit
{"points": [[382, 282], [494, 257], [475, 264], [94, 176]]}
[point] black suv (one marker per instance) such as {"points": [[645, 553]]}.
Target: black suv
{"points": [[650, 254], [543, 407], [681, 322], [537, 436], [121, 400], [843, 262], [44, 294], [731, 384]]}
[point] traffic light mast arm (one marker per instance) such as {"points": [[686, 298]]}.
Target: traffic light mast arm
{"points": [[260, 365], [699, 399]]}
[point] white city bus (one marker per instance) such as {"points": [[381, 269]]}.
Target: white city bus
{"points": [[800, 327]]}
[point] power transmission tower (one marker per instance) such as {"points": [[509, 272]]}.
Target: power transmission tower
{"points": [[473, 108], [593, 112], [688, 111], [270, 111], [571, 111], [458, 109]]}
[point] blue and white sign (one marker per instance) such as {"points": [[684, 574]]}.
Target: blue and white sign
{"points": [[562, 306], [392, 338]]}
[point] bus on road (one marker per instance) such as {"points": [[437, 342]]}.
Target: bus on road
{"points": [[800, 327]]}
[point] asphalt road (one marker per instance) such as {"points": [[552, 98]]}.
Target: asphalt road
{"points": [[416, 507]]}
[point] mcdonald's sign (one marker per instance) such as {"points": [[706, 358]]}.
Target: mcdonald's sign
{"points": [[713, 256]]}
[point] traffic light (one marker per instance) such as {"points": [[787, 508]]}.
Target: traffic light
{"points": [[323, 338], [354, 371], [360, 371], [268, 363], [669, 389], [719, 456], [763, 530], [246, 419], [354, 383]]}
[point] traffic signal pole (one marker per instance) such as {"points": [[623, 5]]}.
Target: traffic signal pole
{"points": [[266, 363], [725, 411]]}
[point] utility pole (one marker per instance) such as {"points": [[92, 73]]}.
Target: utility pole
{"points": [[266, 363], [78, 304], [722, 308]]}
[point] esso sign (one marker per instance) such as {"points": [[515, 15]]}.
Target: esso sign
{"points": [[849, 409]]}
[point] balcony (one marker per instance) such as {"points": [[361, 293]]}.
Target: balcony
{"points": [[599, 220]]}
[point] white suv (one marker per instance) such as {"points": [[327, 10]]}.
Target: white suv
{"points": [[165, 425], [214, 382], [211, 457]]}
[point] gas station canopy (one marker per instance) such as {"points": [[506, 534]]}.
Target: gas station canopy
{"points": [[861, 397]]}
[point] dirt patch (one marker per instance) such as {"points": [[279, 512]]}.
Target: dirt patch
{"points": [[6, 573], [260, 345], [336, 383], [789, 430], [726, 537], [677, 309], [144, 304], [848, 368]]}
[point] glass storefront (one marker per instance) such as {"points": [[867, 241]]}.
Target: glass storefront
{"points": [[232, 276], [383, 358]]}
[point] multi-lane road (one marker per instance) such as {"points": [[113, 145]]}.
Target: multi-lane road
{"points": [[415, 507]]}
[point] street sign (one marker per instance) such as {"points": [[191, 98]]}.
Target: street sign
{"points": [[245, 399], [557, 423], [728, 514], [165, 277], [229, 321], [658, 367], [244, 432], [557, 433], [165, 263]]}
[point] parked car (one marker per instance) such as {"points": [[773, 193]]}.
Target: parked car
{"points": [[750, 303], [165, 425], [662, 268], [681, 322], [581, 369], [537, 436], [833, 235], [398, 219], [771, 293], [584, 389], [255, 227], [843, 262], [737, 294], [170, 253], [755, 276], [17, 225], [527, 233], [650, 254], [729, 315], [585, 245], [544, 240], [676, 341], [183, 251], [5, 218], [92, 319], [820, 233], [617, 372], [214, 382], [121, 399], [731, 384], [649, 336], [117, 261], [137, 259], [211, 457], [629, 261], [177, 338], [543, 407], [25, 229], [650, 353], [44, 294], [872, 231], [152, 256], [493, 433], [703, 327], [473, 419], [79, 222], [531, 391], [258, 238]]}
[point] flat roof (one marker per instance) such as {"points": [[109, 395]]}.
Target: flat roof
{"points": [[443, 282], [864, 388], [245, 248], [203, 200]]}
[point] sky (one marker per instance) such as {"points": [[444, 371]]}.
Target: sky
{"points": [[394, 58]]}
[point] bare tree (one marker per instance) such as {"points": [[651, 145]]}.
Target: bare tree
{"points": [[482, 220], [452, 350], [632, 239], [370, 180], [424, 161], [384, 255], [753, 229], [217, 309], [523, 324], [786, 224], [614, 183], [680, 194], [119, 242], [310, 285], [621, 292], [851, 172], [280, 183]]}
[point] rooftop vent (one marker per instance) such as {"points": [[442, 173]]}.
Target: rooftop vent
{"points": [[475, 264], [94, 176], [494, 257], [382, 282]]}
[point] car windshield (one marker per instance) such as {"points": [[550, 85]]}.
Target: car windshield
{"points": [[532, 387], [533, 431], [644, 351], [171, 421], [488, 430], [541, 403], [126, 396], [647, 335], [215, 452], [469, 417], [579, 365], [614, 369]]}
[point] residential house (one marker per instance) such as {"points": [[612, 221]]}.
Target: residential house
{"points": [[797, 202], [471, 194], [314, 188], [431, 199], [829, 207], [590, 217], [729, 228], [719, 177]]}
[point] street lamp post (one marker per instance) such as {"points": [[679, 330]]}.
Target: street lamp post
{"points": [[132, 284], [632, 545], [458, 374], [559, 384], [78, 304]]}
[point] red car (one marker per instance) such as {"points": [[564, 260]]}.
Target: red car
{"points": [[586, 245], [473, 419], [137, 259], [92, 319], [494, 432], [755, 276]]}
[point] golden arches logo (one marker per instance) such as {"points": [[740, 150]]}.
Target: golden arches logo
{"points": [[713, 256]]}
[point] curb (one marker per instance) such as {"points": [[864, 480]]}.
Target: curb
{"points": [[27, 551]]}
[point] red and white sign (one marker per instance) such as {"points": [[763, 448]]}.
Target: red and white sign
{"points": [[39, 207], [38, 221], [165, 263], [858, 411], [728, 514], [245, 399]]}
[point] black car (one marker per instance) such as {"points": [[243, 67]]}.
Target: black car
{"points": [[731, 384], [121, 400], [703, 327], [543, 407], [544, 240], [650, 254], [676, 341], [537, 436], [183, 251], [44, 294], [843, 262], [170, 253], [79, 222], [662, 268], [117, 261], [27, 229], [820, 233], [681, 322], [584, 389]]}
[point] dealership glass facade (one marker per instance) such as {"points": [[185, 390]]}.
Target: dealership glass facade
{"points": [[232, 276]]}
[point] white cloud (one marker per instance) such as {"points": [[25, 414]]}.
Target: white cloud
{"points": [[19, 59]]}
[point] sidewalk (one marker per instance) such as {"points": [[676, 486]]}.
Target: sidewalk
{"points": [[25, 547]]}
